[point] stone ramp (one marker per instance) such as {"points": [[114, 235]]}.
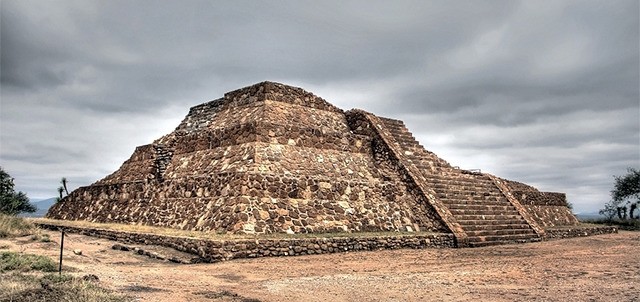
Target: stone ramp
{"points": [[483, 211]]}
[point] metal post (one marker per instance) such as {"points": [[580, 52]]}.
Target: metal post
{"points": [[61, 246]]}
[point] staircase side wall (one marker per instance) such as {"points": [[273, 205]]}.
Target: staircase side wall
{"points": [[370, 125], [549, 209]]}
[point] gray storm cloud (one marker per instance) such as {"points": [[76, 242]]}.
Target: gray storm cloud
{"points": [[545, 92]]}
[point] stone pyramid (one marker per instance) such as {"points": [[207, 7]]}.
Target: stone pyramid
{"points": [[271, 158]]}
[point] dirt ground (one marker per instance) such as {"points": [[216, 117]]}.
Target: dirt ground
{"points": [[597, 268]]}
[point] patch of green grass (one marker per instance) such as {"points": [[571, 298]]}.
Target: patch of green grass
{"points": [[12, 226], [11, 261]]}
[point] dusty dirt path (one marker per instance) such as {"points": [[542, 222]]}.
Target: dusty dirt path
{"points": [[598, 268]]}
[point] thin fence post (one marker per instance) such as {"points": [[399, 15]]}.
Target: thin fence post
{"points": [[61, 246]]}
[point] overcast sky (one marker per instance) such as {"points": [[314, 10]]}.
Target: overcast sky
{"points": [[543, 92]]}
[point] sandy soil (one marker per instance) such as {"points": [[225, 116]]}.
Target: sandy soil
{"points": [[598, 268]]}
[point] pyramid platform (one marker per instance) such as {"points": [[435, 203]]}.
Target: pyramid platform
{"points": [[271, 158]]}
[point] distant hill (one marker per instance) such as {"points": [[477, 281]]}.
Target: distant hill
{"points": [[42, 205]]}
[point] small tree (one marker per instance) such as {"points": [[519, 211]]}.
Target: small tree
{"points": [[62, 190], [624, 196], [609, 211], [12, 202], [63, 181]]}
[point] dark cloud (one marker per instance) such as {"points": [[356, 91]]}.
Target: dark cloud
{"points": [[539, 91]]}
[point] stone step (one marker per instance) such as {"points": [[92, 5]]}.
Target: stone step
{"points": [[441, 176], [453, 192], [452, 180], [390, 121], [503, 238], [455, 173], [470, 201], [444, 192], [468, 198], [399, 132], [449, 191], [468, 222], [500, 202], [497, 217], [396, 126], [418, 150], [477, 190], [440, 165], [483, 227], [456, 192], [499, 232], [397, 129], [464, 206], [401, 135], [485, 212], [407, 140], [499, 242]]}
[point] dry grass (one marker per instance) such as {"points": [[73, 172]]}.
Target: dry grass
{"points": [[133, 228], [21, 287], [12, 284], [24, 278], [12, 226]]}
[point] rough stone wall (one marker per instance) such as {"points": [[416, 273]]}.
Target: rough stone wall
{"points": [[239, 164], [541, 198], [549, 209], [280, 93], [139, 167], [224, 250], [569, 232]]}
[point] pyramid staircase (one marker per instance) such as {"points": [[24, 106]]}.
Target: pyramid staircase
{"points": [[480, 210]]}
